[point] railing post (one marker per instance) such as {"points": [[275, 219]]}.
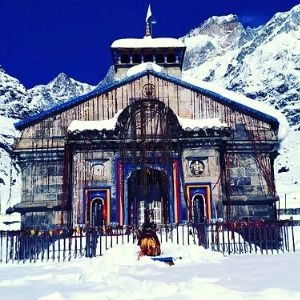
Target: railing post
{"points": [[117, 230], [58, 236], [266, 237], [17, 242], [87, 243], [293, 239], [233, 235], [100, 240], [7, 248], [223, 238], [271, 237], [239, 239], [128, 233], [188, 233], [106, 247], [160, 233], [35, 246], [287, 238], [111, 237], [75, 242], [260, 239], [277, 236], [166, 232], [228, 239], [254, 237], [80, 241], [53, 245], [64, 246], [249, 237], [70, 237]]}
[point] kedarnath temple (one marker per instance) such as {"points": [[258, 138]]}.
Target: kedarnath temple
{"points": [[152, 144]]}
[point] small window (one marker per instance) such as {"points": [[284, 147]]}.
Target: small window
{"points": [[171, 58], [148, 58], [125, 59], [160, 59], [136, 59]]}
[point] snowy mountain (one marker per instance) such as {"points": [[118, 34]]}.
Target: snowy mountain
{"points": [[58, 90], [261, 63], [17, 103], [214, 37], [14, 100]]}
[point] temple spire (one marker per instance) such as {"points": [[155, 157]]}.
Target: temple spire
{"points": [[148, 22]]}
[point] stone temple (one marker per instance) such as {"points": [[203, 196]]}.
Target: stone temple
{"points": [[151, 144]]}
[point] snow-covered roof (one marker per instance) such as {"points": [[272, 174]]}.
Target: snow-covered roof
{"points": [[186, 123], [148, 42], [109, 124], [149, 66], [245, 105]]}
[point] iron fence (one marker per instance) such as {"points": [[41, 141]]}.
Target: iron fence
{"points": [[65, 244]]}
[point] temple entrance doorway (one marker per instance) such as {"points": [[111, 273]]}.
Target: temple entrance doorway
{"points": [[148, 197], [97, 212], [199, 209]]}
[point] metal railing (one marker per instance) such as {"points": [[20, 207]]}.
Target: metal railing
{"points": [[68, 244]]}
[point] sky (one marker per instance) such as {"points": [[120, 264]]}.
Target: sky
{"points": [[40, 39]]}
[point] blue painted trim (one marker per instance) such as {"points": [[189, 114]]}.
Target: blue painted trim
{"points": [[105, 187], [98, 91], [199, 189]]}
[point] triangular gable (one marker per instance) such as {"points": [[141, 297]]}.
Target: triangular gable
{"points": [[98, 91]]}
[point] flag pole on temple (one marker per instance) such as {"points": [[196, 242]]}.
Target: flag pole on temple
{"points": [[149, 22]]}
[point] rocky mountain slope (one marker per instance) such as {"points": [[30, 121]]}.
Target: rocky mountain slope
{"points": [[17, 102], [262, 63]]}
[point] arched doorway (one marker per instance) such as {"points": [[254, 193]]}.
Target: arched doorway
{"points": [[198, 209], [97, 212], [149, 134], [148, 198]]}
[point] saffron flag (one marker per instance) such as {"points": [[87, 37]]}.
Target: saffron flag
{"points": [[149, 13]]}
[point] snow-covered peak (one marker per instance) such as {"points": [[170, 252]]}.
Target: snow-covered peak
{"points": [[217, 26], [14, 99], [221, 20], [60, 89], [213, 38], [291, 13]]}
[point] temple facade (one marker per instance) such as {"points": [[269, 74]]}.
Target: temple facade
{"points": [[152, 144]]}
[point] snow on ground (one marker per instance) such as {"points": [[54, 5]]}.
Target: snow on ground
{"points": [[200, 274]]}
